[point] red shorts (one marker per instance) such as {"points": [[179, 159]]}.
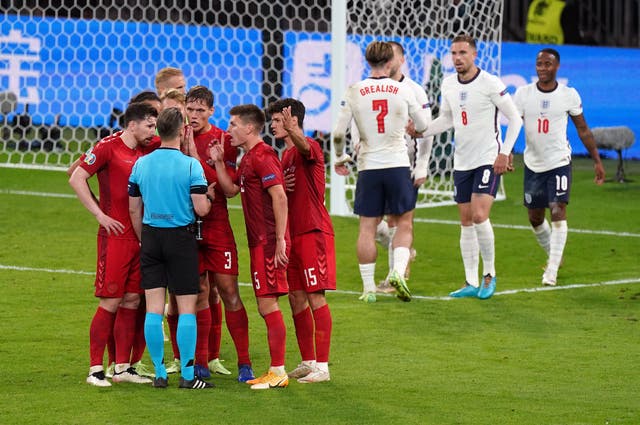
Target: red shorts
{"points": [[312, 263], [118, 269], [267, 279], [217, 259]]}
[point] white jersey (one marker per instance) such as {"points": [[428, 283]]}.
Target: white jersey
{"points": [[472, 105], [422, 99], [380, 108], [545, 124]]}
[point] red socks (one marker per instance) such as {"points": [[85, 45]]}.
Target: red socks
{"points": [[238, 325], [324, 324], [99, 333], [303, 323], [139, 344], [215, 333], [124, 329], [203, 322], [276, 336]]}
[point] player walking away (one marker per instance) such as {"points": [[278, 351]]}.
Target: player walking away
{"points": [[544, 105], [218, 255], [264, 203], [169, 186], [381, 107], [312, 264], [471, 99], [419, 150], [118, 266]]}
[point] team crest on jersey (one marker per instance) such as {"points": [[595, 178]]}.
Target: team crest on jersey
{"points": [[463, 96], [545, 104], [89, 157]]}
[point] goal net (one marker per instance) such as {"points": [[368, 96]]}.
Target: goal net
{"points": [[68, 68]]}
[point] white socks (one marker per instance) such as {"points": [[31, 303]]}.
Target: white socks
{"points": [[543, 235], [484, 232], [367, 273], [401, 256], [392, 233], [558, 240], [470, 254]]}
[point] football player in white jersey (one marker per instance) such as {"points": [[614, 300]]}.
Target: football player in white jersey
{"points": [[470, 102], [419, 150], [381, 107], [545, 105]]}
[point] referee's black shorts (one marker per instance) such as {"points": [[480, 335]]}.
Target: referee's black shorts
{"points": [[169, 258]]}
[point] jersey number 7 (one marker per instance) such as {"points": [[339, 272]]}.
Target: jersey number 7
{"points": [[383, 107]]}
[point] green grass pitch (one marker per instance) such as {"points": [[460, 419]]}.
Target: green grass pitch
{"points": [[563, 356]]}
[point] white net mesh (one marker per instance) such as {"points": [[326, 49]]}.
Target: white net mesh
{"points": [[68, 68], [425, 28]]}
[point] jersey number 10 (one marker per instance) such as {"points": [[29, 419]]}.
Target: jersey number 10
{"points": [[543, 125]]}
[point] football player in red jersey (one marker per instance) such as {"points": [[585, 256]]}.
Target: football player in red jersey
{"points": [[312, 262], [218, 254], [118, 267], [260, 182]]}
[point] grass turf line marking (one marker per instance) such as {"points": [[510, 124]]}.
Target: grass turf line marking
{"points": [[420, 297], [416, 219]]}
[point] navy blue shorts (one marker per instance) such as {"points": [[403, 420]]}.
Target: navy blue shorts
{"points": [[384, 191], [479, 180], [542, 189], [169, 258]]}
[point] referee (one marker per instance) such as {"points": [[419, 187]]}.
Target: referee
{"points": [[170, 186]]}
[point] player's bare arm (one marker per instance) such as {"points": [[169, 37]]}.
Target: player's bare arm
{"points": [[135, 212], [589, 142], [280, 212], [230, 189], [78, 181]]}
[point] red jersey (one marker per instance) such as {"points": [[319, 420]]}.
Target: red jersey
{"points": [[216, 228], [259, 170], [307, 211], [112, 160]]}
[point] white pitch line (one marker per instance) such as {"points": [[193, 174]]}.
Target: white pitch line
{"points": [[521, 227], [418, 297], [417, 219]]}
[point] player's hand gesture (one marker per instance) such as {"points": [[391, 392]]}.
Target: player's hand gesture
{"points": [[188, 146], [112, 226], [281, 258], [290, 126], [216, 152]]}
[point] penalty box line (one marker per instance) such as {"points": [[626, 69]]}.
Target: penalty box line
{"points": [[419, 297]]}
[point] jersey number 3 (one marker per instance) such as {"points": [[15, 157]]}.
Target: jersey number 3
{"points": [[383, 107]]}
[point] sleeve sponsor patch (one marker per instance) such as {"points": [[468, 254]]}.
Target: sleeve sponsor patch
{"points": [[268, 177]]}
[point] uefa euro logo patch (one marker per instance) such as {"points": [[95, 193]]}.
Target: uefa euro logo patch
{"points": [[89, 157]]}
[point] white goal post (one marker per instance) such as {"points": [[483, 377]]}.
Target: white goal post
{"points": [[68, 68]]}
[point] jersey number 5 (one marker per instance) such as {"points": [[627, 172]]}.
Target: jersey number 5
{"points": [[383, 107]]}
